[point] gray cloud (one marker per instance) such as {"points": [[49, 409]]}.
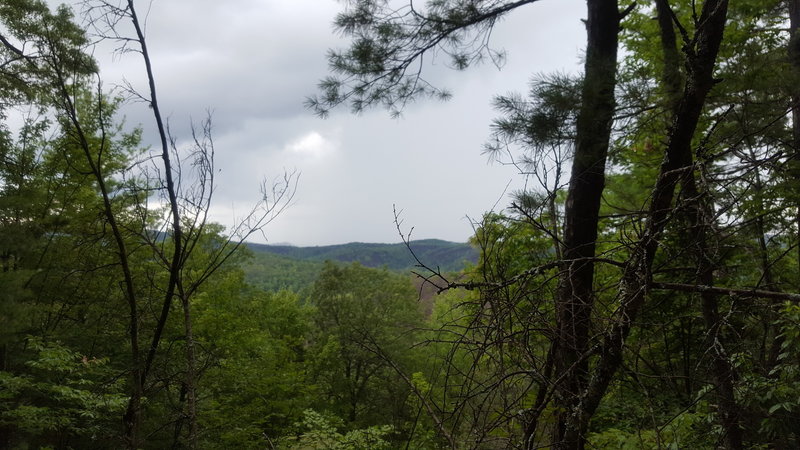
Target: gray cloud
{"points": [[253, 63]]}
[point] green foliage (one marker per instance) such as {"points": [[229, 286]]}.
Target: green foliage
{"points": [[775, 396], [53, 46], [319, 432], [274, 267], [510, 246], [537, 124], [363, 320], [257, 385], [686, 430], [273, 272], [62, 396]]}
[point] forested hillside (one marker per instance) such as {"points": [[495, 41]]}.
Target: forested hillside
{"points": [[272, 272], [275, 267], [641, 291]]}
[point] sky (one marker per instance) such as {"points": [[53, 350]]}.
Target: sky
{"points": [[252, 63]]}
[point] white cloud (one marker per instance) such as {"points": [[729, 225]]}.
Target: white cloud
{"points": [[312, 146]]}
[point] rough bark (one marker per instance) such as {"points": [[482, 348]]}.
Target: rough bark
{"points": [[581, 216], [671, 77], [794, 60]]}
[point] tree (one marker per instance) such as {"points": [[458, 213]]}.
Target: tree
{"points": [[48, 65], [363, 317], [64, 271], [256, 387]]}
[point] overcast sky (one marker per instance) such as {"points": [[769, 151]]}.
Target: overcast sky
{"points": [[253, 62]]}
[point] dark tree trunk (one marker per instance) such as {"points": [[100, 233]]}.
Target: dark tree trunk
{"points": [[700, 220], [722, 371], [576, 290], [677, 165], [794, 60], [176, 260], [671, 77]]}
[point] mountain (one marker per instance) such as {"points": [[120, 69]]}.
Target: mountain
{"points": [[448, 256], [275, 267]]}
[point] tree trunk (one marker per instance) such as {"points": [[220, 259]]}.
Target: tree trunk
{"points": [[671, 78], [581, 215], [177, 234], [678, 160], [722, 371], [700, 217], [794, 60]]}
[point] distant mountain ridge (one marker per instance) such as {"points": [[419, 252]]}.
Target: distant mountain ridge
{"points": [[447, 256]]}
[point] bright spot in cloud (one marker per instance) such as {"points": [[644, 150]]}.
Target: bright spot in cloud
{"points": [[313, 145]]}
